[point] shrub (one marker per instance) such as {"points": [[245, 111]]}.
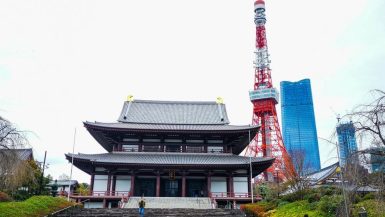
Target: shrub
{"points": [[312, 197], [330, 204], [369, 196], [296, 196], [4, 197], [282, 203], [259, 209], [373, 207]]}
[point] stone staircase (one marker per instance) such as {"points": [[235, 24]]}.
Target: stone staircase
{"points": [[171, 202], [81, 212]]}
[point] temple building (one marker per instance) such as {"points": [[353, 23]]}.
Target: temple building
{"points": [[170, 149]]}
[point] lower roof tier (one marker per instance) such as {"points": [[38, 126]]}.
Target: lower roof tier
{"points": [[110, 134], [165, 160]]}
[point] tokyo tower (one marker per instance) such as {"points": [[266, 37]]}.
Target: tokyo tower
{"points": [[268, 142]]}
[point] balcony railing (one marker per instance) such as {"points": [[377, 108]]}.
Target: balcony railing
{"points": [[223, 195], [104, 193]]}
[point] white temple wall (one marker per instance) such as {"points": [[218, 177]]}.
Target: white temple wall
{"points": [[100, 183], [240, 185], [123, 183], [218, 186]]}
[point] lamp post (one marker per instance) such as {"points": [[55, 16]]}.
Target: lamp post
{"points": [[251, 175]]}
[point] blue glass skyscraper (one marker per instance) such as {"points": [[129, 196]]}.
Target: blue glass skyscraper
{"points": [[346, 141], [298, 125]]}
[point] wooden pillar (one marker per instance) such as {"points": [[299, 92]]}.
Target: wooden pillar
{"points": [[104, 203], [108, 184], [158, 184], [229, 149], [230, 185], [183, 184], [113, 184], [209, 184], [92, 183], [132, 188]]}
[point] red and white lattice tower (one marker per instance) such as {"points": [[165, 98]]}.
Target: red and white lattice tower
{"points": [[268, 142]]}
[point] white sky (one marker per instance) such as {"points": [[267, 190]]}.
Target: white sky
{"points": [[64, 62]]}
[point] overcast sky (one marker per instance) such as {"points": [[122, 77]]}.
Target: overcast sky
{"points": [[64, 62]]}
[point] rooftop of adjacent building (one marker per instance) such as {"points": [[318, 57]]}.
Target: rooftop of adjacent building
{"points": [[22, 153]]}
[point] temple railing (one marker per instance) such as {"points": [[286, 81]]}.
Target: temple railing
{"points": [[223, 195], [104, 193]]}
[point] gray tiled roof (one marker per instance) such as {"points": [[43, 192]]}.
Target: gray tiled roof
{"points": [[63, 182], [23, 154], [168, 158], [323, 174], [178, 127], [173, 112]]}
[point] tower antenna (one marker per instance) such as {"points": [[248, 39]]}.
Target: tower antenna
{"points": [[268, 142]]}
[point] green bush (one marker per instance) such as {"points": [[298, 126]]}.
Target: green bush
{"points": [[312, 197], [369, 196], [373, 207], [330, 204], [259, 209], [4, 197], [296, 196], [282, 203], [33, 207]]}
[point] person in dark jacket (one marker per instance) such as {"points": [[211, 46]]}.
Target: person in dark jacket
{"points": [[142, 204]]}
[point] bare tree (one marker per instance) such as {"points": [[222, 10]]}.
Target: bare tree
{"points": [[297, 181], [369, 119], [10, 136], [13, 170], [369, 123]]}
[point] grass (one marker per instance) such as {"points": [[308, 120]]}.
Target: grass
{"points": [[373, 207], [295, 209], [36, 206]]}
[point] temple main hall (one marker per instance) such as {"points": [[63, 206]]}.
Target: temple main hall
{"points": [[170, 149]]}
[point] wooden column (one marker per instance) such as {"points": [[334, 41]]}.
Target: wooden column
{"points": [[108, 184], [132, 188], [105, 203], [113, 184], [92, 183], [183, 184], [229, 149], [209, 183], [230, 185], [158, 184]]}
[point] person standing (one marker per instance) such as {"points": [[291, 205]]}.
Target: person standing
{"points": [[142, 204]]}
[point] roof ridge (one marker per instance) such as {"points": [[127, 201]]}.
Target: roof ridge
{"points": [[173, 102]]}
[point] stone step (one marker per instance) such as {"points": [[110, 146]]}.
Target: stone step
{"points": [[171, 202], [150, 212]]}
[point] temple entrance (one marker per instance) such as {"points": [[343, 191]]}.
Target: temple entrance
{"points": [[145, 187], [171, 188], [196, 188]]}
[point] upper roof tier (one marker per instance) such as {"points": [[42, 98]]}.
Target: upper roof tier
{"points": [[174, 112], [143, 120]]}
